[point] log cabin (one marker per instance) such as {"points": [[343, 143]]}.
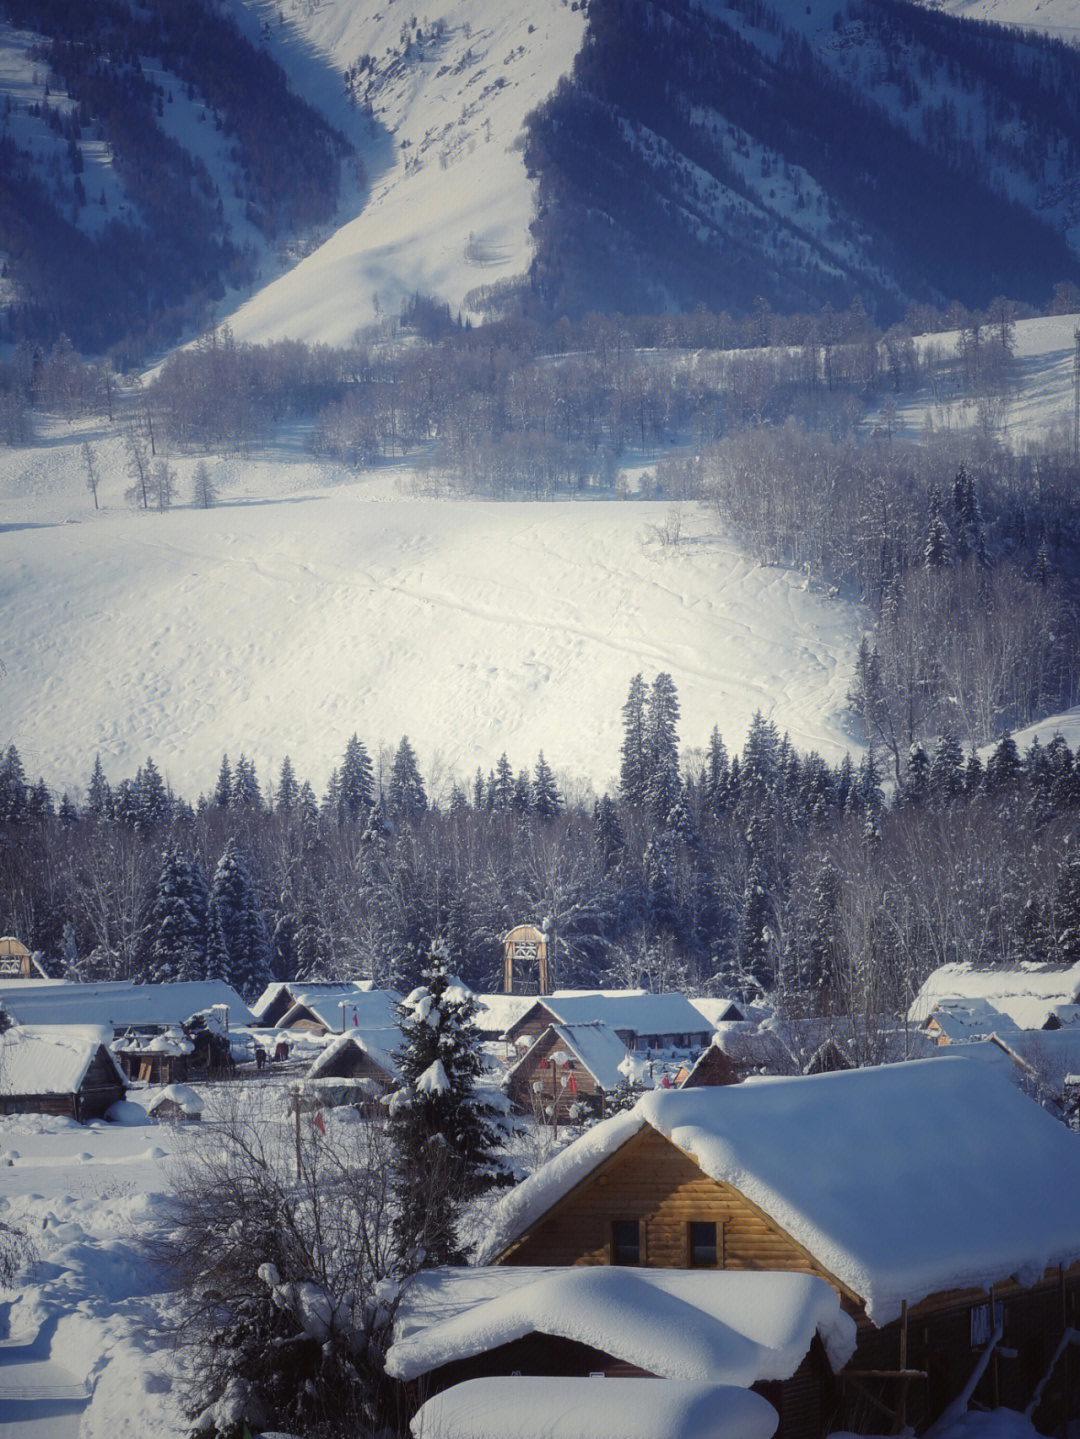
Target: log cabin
{"points": [[764, 1332], [640, 1019], [361, 1054], [336, 1009], [935, 1198], [57, 1072], [16, 961], [568, 1066]]}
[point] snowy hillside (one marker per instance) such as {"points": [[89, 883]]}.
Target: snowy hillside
{"points": [[305, 608], [438, 114], [1060, 18], [1036, 401]]}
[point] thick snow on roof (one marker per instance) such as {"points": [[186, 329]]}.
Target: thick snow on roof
{"points": [[719, 1011], [182, 1095], [378, 1043], [525, 1407], [594, 1045], [1058, 983], [634, 1009], [960, 1019], [119, 1003], [901, 1181], [346, 1006], [495, 1013], [719, 1327], [32, 1062]]}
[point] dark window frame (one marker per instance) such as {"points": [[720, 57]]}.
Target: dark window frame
{"points": [[620, 1244]]}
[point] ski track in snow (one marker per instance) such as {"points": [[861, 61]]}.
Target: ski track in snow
{"points": [[473, 626]]}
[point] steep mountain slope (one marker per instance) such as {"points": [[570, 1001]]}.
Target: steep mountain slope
{"points": [[805, 153], [149, 160], [441, 105]]}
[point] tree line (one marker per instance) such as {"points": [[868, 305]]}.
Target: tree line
{"points": [[765, 869]]}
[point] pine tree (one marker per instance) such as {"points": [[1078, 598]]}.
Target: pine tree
{"points": [[610, 840], [973, 773], [357, 780], [288, 791], [14, 793], [98, 794], [717, 775], [405, 796], [153, 798], [501, 788], [916, 786], [223, 788], [1067, 911], [938, 551], [633, 765], [238, 947], [521, 801], [246, 794], [1004, 767], [547, 801], [754, 923], [947, 772], [441, 1129], [177, 943]]}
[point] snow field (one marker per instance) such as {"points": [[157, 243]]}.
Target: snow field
{"points": [[310, 605]]}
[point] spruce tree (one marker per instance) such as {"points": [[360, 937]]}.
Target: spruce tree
{"points": [[223, 788], [547, 801], [239, 952], [14, 793], [246, 794], [946, 772], [288, 791], [405, 796], [633, 765], [177, 941], [938, 550], [501, 790], [1004, 767], [356, 780], [98, 794], [444, 1134]]}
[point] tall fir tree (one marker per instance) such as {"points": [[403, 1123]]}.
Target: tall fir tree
{"points": [[633, 766], [357, 780], [98, 793], [547, 801], [177, 939], [239, 952], [442, 1130], [224, 788], [405, 796], [288, 791]]}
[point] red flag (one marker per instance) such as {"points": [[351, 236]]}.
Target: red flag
{"points": [[665, 1083], [572, 1085], [355, 1020], [317, 1122]]}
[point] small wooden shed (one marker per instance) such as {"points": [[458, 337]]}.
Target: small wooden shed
{"points": [[58, 1073]]}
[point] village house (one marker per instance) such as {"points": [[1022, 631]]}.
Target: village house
{"points": [[935, 1198], [59, 1071], [356, 1068], [1030, 996], [567, 1067], [119, 1005], [640, 1019], [329, 1008], [731, 1331]]}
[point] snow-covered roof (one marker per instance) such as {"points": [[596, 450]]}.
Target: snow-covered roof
{"points": [[495, 1013], [1057, 983], [278, 987], [718, 1011], [33, 1062], [720, 1327], [960, 1019], [345, 1006], [594, 1045], [182, 1095], [901, 1181], [633, 1009], [380, 1044], [527, 1407], [119, 1003]]}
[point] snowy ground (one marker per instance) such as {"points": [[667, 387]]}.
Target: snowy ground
{"points": [[312, 604], [1038, 402]]}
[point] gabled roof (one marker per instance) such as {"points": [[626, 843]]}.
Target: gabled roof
{"points": [[902, 1181], [719, 1011], [279, 987], [119, 1002], [595, 1046], [1055, 983], [35, 1062], [345, 1005], [722, 1327], [960, 1019], [379, 1044], [633, 1009], [495, 1013]]}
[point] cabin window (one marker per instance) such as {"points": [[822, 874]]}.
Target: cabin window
{"points": [[626, 1241], [703, 1249], [982, 1327]]}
